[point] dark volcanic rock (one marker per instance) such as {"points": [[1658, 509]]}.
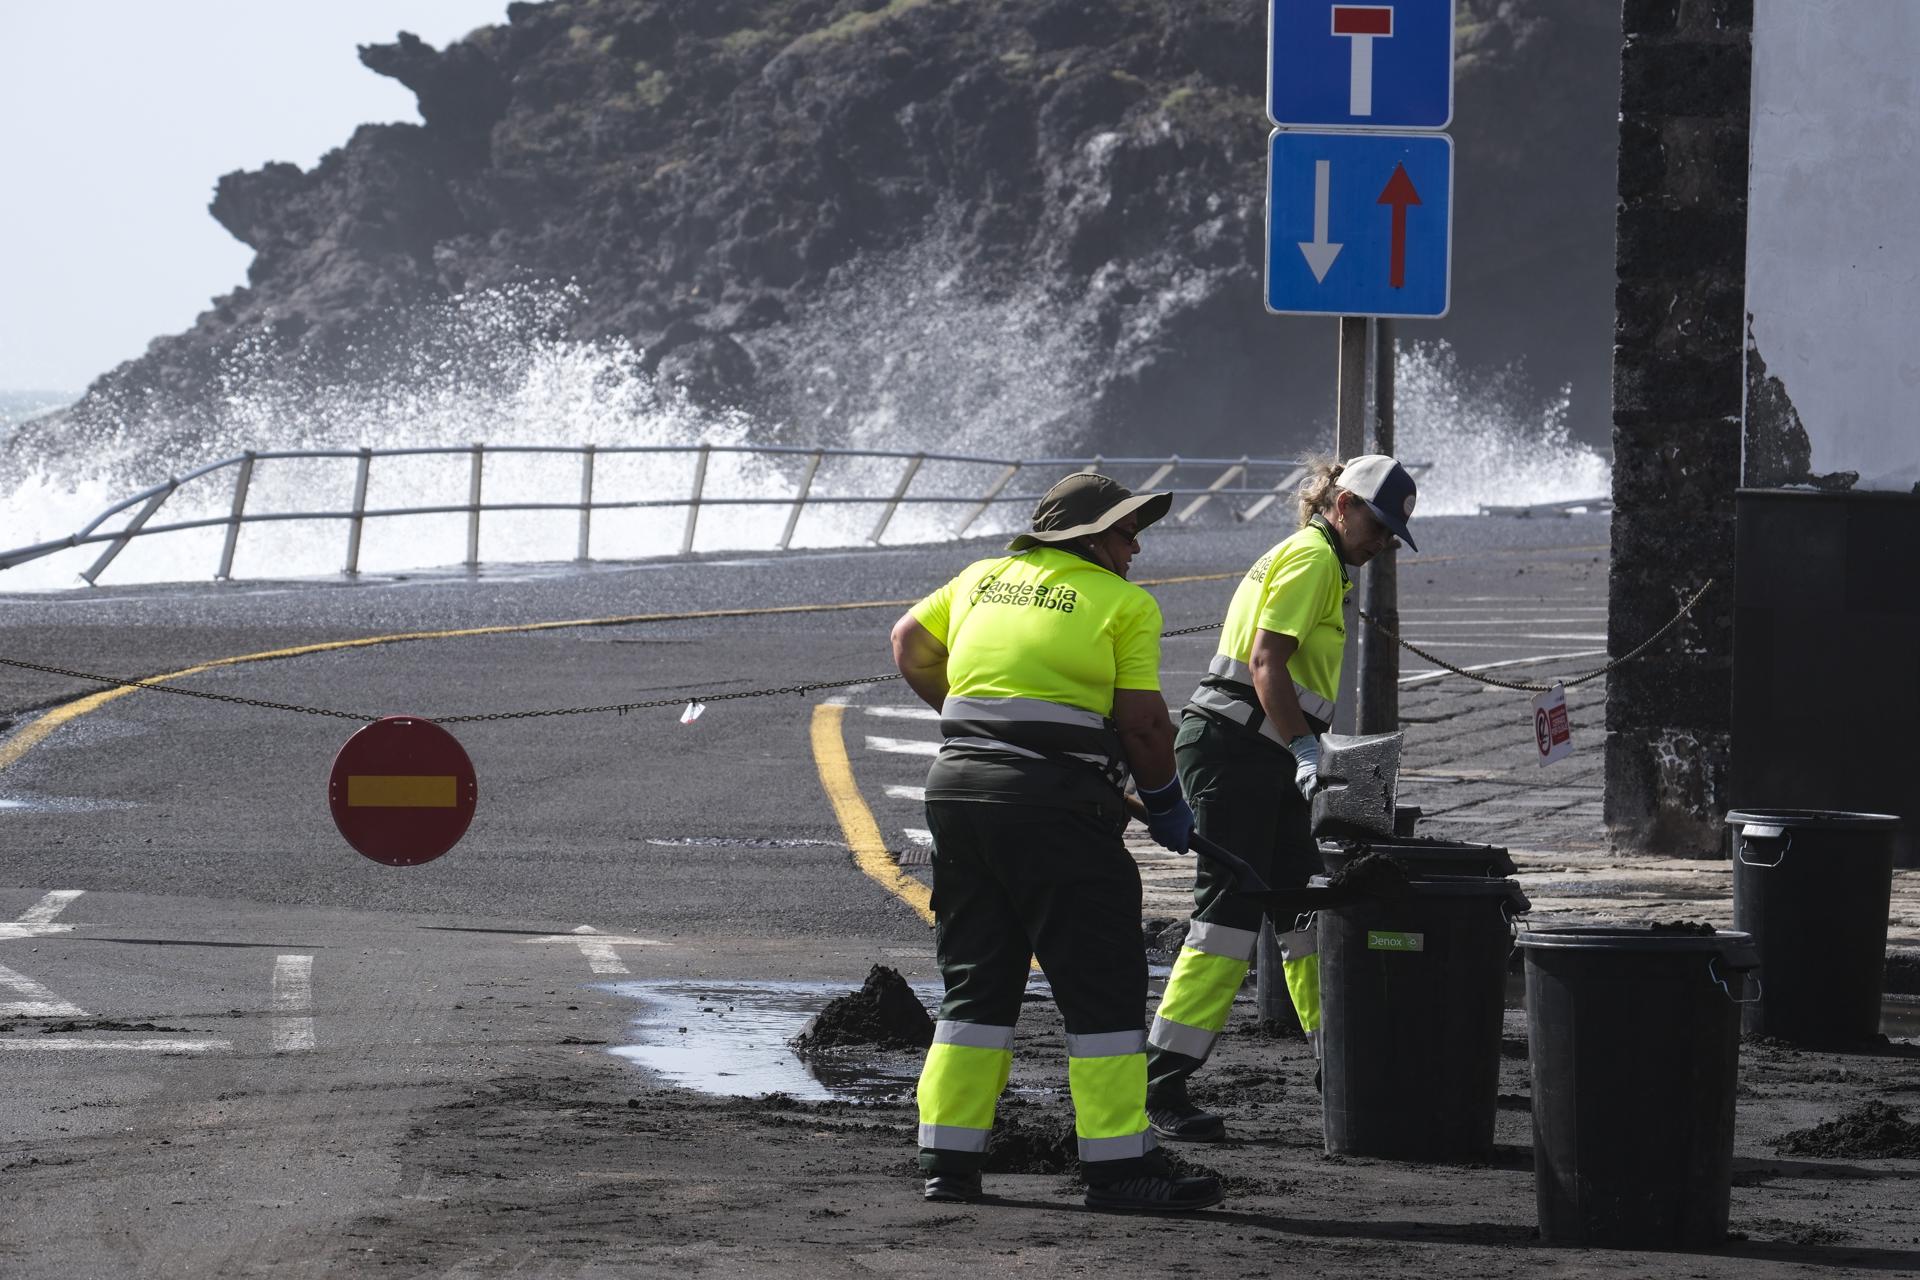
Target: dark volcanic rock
{"points": [[711, 174], [883, 1012], [1872, 1131]]}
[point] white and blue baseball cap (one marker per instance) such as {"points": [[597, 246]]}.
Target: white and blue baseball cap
{"points": [[1385, 487]]}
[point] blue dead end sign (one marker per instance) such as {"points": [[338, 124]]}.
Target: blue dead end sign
{"points": [[1359, 224], [1369, 65]]}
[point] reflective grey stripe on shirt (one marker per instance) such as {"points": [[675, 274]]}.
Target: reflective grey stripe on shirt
{"points": [[1241, 711], [1313, 704], [994, 744], [1221, 940], [1238, 710], [1106, 1044], [1020, 709], [973, 1035], [1298, 944], [1093, 1150], [951, 1137]]}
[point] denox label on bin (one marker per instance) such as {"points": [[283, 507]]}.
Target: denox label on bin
{"points": [[1387, 940]]}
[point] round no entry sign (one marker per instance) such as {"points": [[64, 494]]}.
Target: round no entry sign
{"points": [[402, 791]]}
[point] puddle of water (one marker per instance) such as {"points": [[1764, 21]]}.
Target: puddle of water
{"points": [[730, 1039]]}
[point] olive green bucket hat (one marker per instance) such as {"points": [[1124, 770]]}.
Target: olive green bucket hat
{"points": [[1085, 504]]}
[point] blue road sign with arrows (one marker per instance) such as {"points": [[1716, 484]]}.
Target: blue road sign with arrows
{"points": [[1359, 224], [1379, 65]]}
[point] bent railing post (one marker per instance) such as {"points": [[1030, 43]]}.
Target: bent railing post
{"points": [[693, 503], [1260, 504], [119, 544], [581, 556], [473, 507], [241, 482], [899, 492], [986, 499], [1227, 477], [800, 501], [359, 516]]}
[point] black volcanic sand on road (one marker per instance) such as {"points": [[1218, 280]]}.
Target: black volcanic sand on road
{"points": [[588, 1168]]}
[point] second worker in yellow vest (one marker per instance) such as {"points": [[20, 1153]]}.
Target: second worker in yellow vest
{"points": [[1248, 752]]}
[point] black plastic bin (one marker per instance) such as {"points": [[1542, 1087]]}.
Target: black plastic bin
{"points": [[1813, 887], [1411, 996], [1423, 856], [1634, 1040]]}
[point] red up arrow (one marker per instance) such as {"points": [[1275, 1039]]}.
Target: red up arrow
{"points": [[1399, 193]]}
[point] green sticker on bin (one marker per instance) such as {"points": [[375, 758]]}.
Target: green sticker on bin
{"points": [[1385, 940]]}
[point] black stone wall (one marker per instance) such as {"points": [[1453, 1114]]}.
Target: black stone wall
{"points": [[1680, 257]]}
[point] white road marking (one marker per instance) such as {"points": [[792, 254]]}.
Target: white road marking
{"points": [[919, 835], [598, 948], [38, 920], [292, 1003], [50, 906], [902, 713], [1422, 677], [906, 793], [45, 1043], [904, 746], [39, 1002]]}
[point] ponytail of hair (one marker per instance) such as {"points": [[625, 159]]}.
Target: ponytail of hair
{"points": [[1317, 493]]}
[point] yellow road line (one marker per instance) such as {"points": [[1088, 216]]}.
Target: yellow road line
{"points": [[36, 731], [856, 820]]}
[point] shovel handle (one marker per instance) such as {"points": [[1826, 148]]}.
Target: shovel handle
{"points": [[1245, 877]]}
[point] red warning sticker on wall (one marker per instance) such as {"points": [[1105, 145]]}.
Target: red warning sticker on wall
{"points": [[1552, 735]]}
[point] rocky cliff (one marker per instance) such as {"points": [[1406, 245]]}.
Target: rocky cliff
{"points": [[712, 175]]}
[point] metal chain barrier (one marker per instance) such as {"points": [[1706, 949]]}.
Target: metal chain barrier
{"points": [[1527, 686], [812, 686]]}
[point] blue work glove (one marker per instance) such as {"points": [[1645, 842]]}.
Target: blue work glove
{"points": [[1169, 817], [1306, 765]]}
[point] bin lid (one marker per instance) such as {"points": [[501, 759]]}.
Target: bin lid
{"points": [[1632, 937], [1456, 887], [1813, 819]]}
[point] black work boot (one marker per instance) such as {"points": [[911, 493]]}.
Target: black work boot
{"points": [[961, 1187], [1156, 1193], [1174, 1117]]}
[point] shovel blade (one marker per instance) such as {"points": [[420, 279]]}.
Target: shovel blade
{"points": [[1360, 777]]}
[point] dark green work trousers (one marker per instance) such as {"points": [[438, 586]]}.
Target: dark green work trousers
{"points": [[1015, 882], [1241, 788]]}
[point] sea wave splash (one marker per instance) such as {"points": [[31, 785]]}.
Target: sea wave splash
{"points": [[902, 357]]}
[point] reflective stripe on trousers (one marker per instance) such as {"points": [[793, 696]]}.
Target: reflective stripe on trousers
{"points": [[966, 1069], [1300, 961], [1107, 1074], [1208, 971]]}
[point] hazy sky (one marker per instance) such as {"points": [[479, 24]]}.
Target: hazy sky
{"points": [[117, 117]]}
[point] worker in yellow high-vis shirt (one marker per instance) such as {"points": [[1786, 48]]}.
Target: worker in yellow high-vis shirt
{"points": [[1045, 667], [1249, 753]]}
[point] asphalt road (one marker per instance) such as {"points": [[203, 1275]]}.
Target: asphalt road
{"points": [[194, 950]]}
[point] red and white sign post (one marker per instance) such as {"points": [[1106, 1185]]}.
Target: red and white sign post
{"points": [[402, 791]]}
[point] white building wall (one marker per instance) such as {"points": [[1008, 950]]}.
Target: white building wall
{"points": [[1833, 235]]}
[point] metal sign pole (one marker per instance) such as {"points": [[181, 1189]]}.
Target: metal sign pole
{"points": [[1350, 426], [1379, 709]]}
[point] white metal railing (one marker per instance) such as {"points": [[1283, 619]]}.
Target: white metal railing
{"points": [[1235, 480]]}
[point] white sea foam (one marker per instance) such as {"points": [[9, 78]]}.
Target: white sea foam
{"points": [[903, 357], [1490, 438]]}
